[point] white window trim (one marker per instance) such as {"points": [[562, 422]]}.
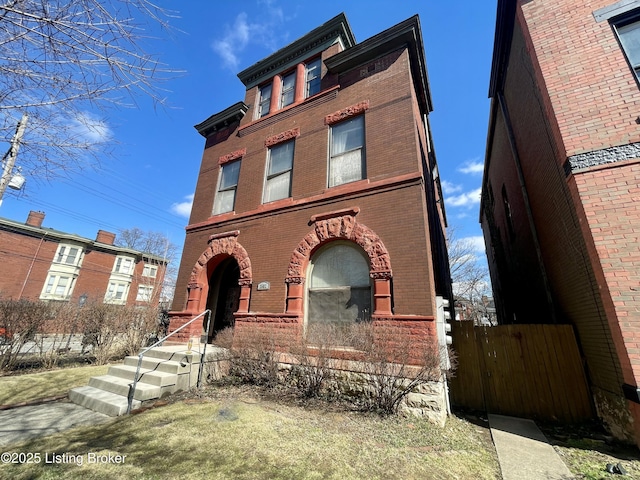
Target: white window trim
{"points": [[119, 261], [144, 297], [150, 271], [233, 187], [62, 255], [361, 148], [52, 295], [111, 298], [267, 177]]}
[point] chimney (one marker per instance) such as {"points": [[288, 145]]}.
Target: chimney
{"points": [[106, 237], [35, 219]]}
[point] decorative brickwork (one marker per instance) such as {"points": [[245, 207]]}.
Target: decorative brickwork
{"points": [[232, 156], [333, 226], [225, 245], [351, 111], [282, 137]]}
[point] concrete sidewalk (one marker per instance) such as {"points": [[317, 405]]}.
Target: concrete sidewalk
{"points": [[524, 452], [24, 423]]}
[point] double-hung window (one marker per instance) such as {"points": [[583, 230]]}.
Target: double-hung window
{"points": [[68, 255], [124, 265], [58, 287], [287, 94], [117, 293], [629, 34], [227, 185], [265, 101], [347, 158], [313, 70], [145, 293], [279, 167], [150, 271]]}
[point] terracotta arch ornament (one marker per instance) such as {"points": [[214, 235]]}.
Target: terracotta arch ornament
{"points": [[340, 225], [225, 244]]}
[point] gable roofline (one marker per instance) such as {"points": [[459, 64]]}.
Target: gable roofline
{"points": [[407, 33], [314, 42], [41, 232]]}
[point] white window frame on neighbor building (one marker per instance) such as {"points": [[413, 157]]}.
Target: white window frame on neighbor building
{"points": [[627, 29], [347, 152], [264, 100], [117, 293], [150, 271], [58, 287], [68, 254], [313, 71], [124, 265], [145, 293], [225, 200], [277, 183]]}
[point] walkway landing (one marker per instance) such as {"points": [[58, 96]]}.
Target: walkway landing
{"points": [[524, 452]]}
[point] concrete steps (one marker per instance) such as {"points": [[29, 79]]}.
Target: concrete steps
{"points": [[163, 371]]}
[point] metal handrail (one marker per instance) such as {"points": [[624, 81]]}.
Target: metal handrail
{"points": [[132, 387]]}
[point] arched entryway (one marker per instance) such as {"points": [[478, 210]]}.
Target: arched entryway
{"points": [[220, 281], [224, 295]]}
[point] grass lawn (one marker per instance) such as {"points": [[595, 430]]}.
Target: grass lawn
{"points": [[233, 434], [23, 388]]}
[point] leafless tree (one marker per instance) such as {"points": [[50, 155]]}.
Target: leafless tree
{"points": [[63, 62], [156, 244], [469, 273]]}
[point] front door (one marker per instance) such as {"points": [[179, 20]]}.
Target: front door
{"points": [[224, 296]]}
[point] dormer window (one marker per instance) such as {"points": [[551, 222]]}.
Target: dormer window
{"points": [[312, 74], [288, 89]]}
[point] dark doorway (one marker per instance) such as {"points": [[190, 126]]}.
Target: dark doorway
{"points": [[224, 296]]}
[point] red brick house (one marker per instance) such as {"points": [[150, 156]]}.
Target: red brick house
{"points": [[561, 190], [40, 263], [318, 197]]}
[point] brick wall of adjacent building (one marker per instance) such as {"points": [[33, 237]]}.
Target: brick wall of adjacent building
{"points": [[593, 94], [569, 91], [25, 263], [27, 256]]}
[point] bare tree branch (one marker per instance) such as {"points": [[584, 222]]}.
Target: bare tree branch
{"points": [[61, 61]]}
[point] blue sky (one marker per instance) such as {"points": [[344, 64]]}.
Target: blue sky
{"points": [[149, 179]]}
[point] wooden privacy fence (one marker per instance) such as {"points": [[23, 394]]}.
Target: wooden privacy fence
{"points": [[532, 371]]}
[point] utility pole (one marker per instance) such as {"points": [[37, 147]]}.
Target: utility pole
{"points": [[9, 159]]}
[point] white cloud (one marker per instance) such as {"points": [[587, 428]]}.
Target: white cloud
{"points": [[448, 187], [472, 168], [90, 128], [183, 209], [265, 33], [467, 199], [476, 242]]}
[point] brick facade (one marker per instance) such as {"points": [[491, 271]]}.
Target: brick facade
{"points": [[561, 187], [29, 255], [391, 214]]}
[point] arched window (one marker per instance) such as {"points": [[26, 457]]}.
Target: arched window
{"points": [[339, 285]]}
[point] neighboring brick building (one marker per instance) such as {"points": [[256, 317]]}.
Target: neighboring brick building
{"points": [[318, 197], [40, 263], [561, 191]]}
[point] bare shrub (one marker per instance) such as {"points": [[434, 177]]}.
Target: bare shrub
{"points": [[103, 324], [20, 321], [394, 365], [254, 360], [224, 338], [141, 325], [313, 370], [56, 331]]}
